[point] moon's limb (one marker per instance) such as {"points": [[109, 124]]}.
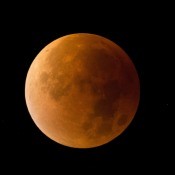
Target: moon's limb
{"points": [[82, 90]]}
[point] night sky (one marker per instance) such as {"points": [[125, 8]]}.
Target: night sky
{"points": [[142, 144]]}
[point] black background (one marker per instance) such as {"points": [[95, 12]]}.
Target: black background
{"points": [[143, 33]]}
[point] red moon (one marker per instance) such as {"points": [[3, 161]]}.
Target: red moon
{"points": [[82, 90]]}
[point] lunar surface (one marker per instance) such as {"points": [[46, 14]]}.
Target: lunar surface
{"points": [[82, 90]]}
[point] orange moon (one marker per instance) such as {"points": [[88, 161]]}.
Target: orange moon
{"points": [[82, 90]]}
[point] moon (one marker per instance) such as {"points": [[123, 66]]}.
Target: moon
{"points": [[82, 90]]}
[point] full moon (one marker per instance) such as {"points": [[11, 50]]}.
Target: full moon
{"points": [[82, 90]]}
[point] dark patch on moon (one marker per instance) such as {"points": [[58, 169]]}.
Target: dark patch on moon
{"points": [[105, 105], [104, 129], [122, 120], [103, 65], [87, 125], [81, 83], [43, 79], [103, 108], [57, 91], [112, 90]]}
